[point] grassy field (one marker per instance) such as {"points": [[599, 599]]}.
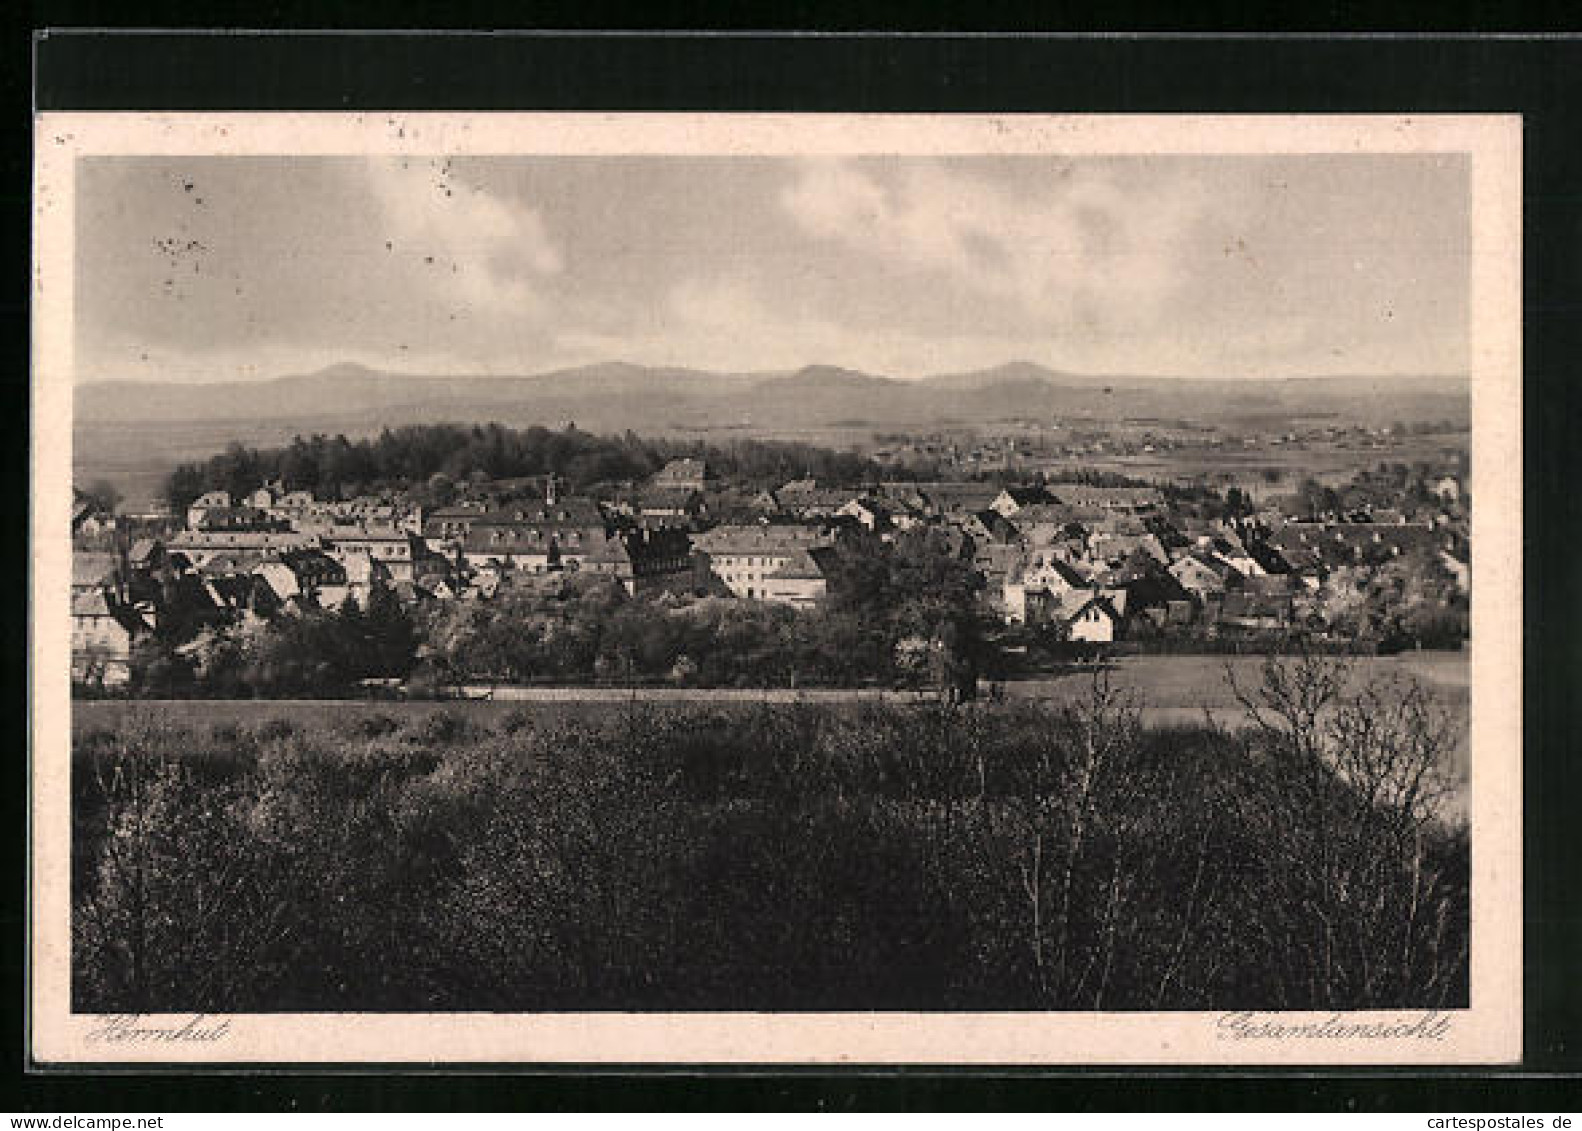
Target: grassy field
{"points": [[1171, 690], [1201, 681]]}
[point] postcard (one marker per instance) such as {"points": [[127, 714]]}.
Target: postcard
{"points": [[740, 589]]}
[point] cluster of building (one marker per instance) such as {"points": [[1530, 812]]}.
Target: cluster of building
{"points": [[1100, 562]]}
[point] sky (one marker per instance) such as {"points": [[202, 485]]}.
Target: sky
{"points": [[227, 268]]}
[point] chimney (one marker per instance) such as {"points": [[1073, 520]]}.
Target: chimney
{"points": [[549, 489]]}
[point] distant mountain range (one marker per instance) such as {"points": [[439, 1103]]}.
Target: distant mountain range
{"points": [[616, 396]]}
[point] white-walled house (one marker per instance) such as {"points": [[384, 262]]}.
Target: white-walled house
{"points": [[747, 558], [1096, 620]]}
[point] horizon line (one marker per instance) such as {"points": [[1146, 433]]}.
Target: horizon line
{"points": [[769, 374]]}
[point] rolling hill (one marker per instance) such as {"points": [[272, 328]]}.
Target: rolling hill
{"points": [[617, 396], [133, 433]]}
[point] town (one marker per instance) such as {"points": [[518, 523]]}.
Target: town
{"points": [[735, 581], [1037, 566]]}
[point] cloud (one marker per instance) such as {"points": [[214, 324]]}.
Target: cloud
{"points": [[484, 251], [1082, 246], [1143, 265], [728, 323]]}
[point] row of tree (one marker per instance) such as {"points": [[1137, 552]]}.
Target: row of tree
{"points": [[435, 460], [304, 655], [895, 611]]}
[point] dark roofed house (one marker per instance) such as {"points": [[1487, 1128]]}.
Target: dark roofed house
{"points": [[643, 561], [945, 498]]}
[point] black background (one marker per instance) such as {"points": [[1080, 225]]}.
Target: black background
{"points": [[1540, 78]]}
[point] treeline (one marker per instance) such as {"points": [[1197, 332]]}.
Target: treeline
{"points": [[595, 635], [772, 858], [312, 654], [901, 611], [897, 612], [439, 458]]}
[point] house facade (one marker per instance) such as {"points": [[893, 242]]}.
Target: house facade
{"points": [[800, 582], [102, 637], [745, 558], [1095, 621]]}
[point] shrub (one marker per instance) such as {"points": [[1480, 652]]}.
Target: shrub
{"points": [[773, 856]]}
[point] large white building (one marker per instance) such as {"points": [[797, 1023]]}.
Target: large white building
{"points": [[769, 563]]}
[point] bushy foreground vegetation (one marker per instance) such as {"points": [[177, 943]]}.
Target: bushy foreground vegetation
{"points": [[778, 858]]}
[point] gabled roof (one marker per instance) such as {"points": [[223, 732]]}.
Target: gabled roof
{"points": [[222, 565], [826, 498], [757, 539], [685, 469], [994, 525], [230, 591], [91, 568], [91, 603], [668, 498], [803, 565], [143, 550], [574, 511], [1027, 496], [1053, 565], [281, 579], [1105, 602], [960, 496], [1086, 494], [867, 503], [1220, 569]]}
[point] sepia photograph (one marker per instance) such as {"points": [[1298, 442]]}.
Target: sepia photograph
{"points": [[777, 588]]}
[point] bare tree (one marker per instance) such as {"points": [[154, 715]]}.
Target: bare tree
{"points": [[1354, 907], [1073, 940]]}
